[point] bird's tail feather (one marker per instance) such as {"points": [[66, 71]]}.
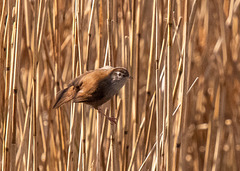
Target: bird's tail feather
{"points": [[64, 96]]}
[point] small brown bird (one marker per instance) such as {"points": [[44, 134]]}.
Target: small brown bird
{"points": [[94, 88]]}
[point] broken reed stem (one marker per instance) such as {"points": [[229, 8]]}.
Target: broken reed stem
{"points": [[147, 157], [150, 122]]}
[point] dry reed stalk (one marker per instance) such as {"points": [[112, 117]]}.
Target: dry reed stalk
{"points": [[114, 163], [34, 97], [185, 82], [43, 25], [90, 135], [153, 100], [72, 114], [11, 100], [179, 71], [89, 34], [190, 25], [113, 101], [23, 144], [103, 129], [132, 52], [219, 115], [147, 95], [83, 137], [2, 64], [29, 142], [69, 159], [123, 63], [218, 118], [157, 91], [123, 125], [126, 112], [136, 145], [2, 17], [80, 153], [169, 87], [8, 82], [177, 140], [147, 157], [129, 61], [98, 150], [82, 157], [213, 49], [137, 35], [99, 117], [100, 31], [15, 82], [108, 159]]}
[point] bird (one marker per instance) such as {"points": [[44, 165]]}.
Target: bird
{"points": [[94, 88]]}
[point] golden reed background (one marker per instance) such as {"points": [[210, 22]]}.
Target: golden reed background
{"points": [[180, 112]]}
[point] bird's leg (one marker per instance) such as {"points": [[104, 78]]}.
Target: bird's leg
{"points": [[113, 120]]}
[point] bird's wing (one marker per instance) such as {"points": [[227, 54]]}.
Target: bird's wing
{"points": [[92, 88], [67, 94], [64, 96]]}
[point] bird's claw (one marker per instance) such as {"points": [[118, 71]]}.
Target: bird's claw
{"points": [[112, 120]]}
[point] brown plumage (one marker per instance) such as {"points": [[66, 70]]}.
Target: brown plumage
{"points": [[94, 87]]}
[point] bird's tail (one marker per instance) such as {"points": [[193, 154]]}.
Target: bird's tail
{"points": [[64, 96]]}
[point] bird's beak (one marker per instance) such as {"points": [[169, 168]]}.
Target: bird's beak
{"points": [[130, 77]]}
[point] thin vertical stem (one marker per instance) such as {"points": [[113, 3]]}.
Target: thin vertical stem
{"points": [[157, 94], [15, 82], [132, 51], [72, 114], [8, 85], [169, 87], [137, 68], [34, 112], [89, 33], [185, 82], [149, 72]]}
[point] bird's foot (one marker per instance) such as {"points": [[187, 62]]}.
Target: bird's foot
{"points": [[112, 120]]}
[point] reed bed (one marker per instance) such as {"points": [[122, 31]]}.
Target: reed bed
{"points": [[180, 112]]}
